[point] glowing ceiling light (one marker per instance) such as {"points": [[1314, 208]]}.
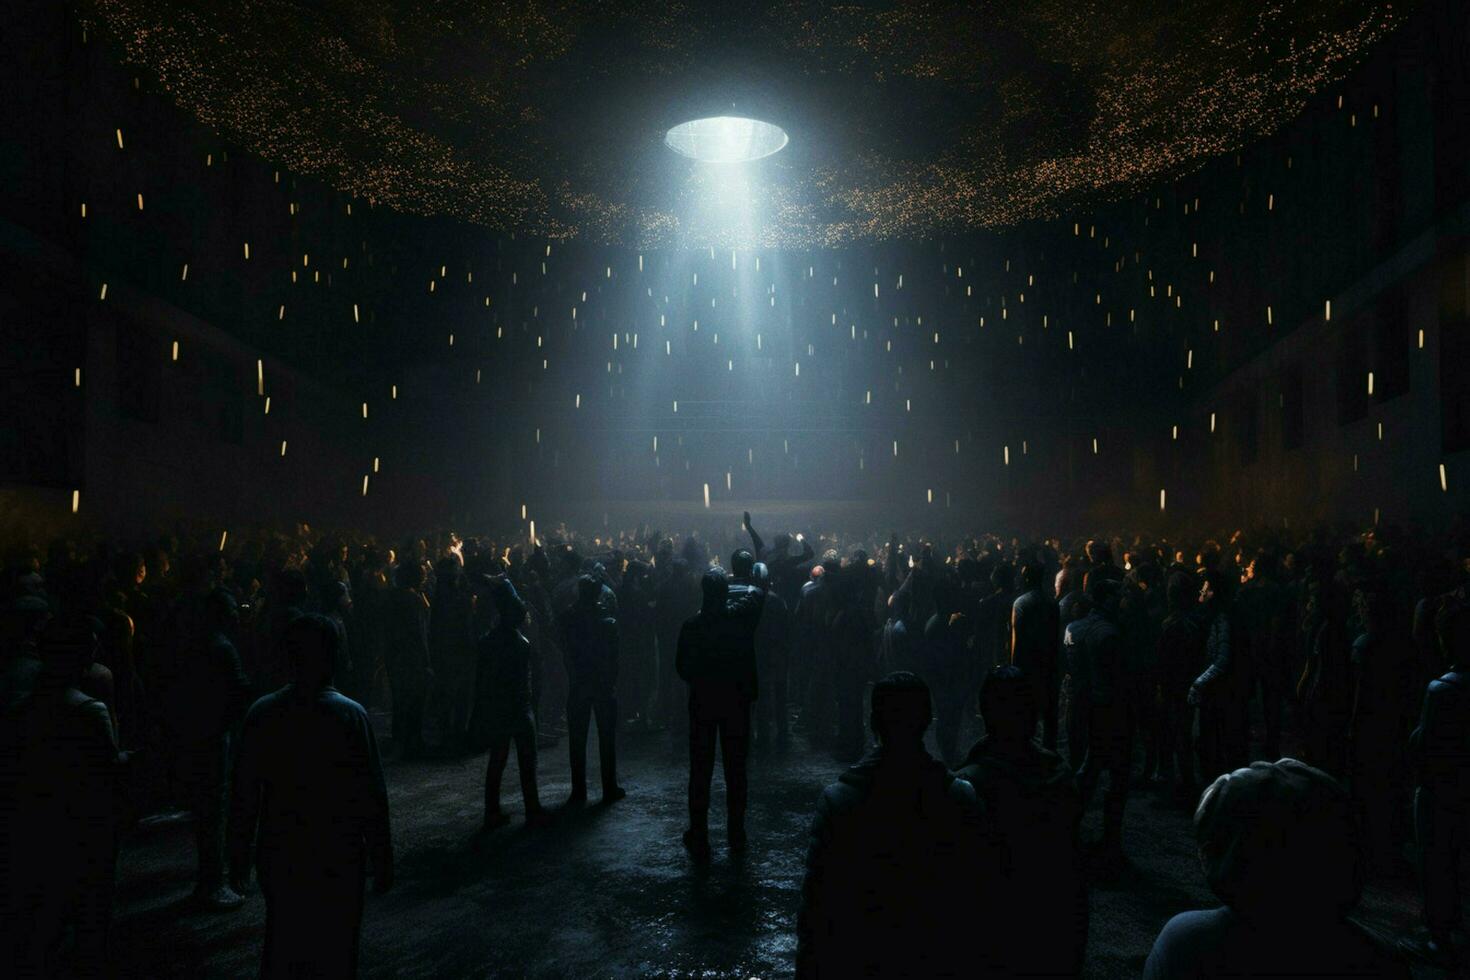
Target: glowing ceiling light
{"points": [[726, 139]]}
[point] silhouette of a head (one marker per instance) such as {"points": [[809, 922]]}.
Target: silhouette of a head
{"points": [[714, 587], [311, 644], [741, 563], [901, 708], [68, 646], [508, 604], [1279, 838], [1008, 704], [588, 589]]}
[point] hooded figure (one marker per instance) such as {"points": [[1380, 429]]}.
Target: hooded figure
{"points": [[1278, 845]]}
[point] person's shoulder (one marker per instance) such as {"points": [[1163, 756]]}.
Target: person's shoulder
{"points": [[1185, 940]]}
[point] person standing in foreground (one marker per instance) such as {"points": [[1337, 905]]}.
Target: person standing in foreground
{"points": [[1279, 847], [716, 658], [503, 707], [590, 651], [308, 775]]}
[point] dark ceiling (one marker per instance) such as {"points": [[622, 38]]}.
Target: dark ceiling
{"points": [[906, 119]]}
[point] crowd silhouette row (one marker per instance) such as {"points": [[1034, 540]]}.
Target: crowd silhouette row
{"points": [[1304, 696]]}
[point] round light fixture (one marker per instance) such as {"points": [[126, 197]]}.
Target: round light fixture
{"points": [[726, 139]]}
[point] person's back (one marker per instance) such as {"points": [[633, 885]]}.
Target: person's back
{"points": [[58, 772], [1222, 943], [309, 778], [890, 886], [1037, 902], [337, 785], [1279, 846]]}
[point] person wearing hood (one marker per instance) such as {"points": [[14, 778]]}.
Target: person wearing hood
{"points": [[1279, 847], [503, 710], [716, 658], [1032, 810], [894, 856]]}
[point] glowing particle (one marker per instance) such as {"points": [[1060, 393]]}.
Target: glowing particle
{"points": [[76, 495], [283, 447], [175, 353], [706, 496], [1161, 500]]}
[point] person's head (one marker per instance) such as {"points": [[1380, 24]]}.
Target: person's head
{"points": [[741, 562], [409, 575], [761, 575], [1008, 704], [1279, 839], [588, 589], [1102, 593], [23, 622], [714, 589], [221, 611], [1453, 626], [1032, 576], [508, 604], [901, 710], [1181, 594], [1098, 552], [310, 643], [1001, 577], [67, 645]]}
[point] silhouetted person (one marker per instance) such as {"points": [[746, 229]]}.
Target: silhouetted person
{"points": [[892, 868], [406, 654], [1440, 753], [1216, 690], [452, 649], [716, 659], [1035, 633], [773, 664], [309, 795], [1036, 921], [212, 692], [589, 644], [1279, 847], [1383, 662], [1181, 659], [1098, 649], [58, 843], [503, 710], [677, 600]]}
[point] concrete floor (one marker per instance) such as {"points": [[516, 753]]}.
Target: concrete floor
{"points": [[609, 891]]}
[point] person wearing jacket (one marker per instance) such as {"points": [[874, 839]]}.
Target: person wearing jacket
{"points": [[894, 858], [716, 658], [1439, 750], [589, 644], [309, 798], [1037, 914]]}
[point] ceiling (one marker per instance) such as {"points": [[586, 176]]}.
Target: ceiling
{"points": [[907, 119]]}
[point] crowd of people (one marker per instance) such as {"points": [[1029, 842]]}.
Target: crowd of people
{"points": [[232, 677]]}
